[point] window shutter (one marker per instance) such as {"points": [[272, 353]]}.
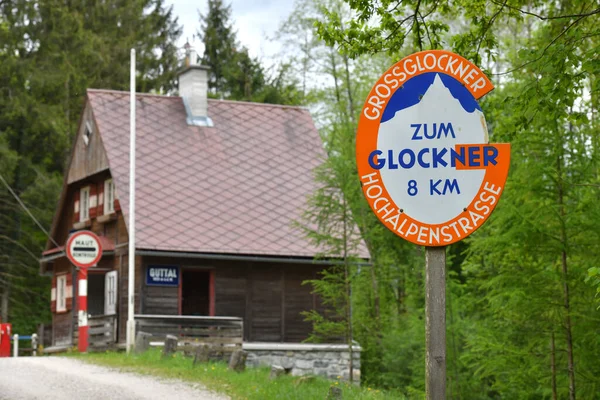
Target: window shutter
{"points": [[76, 206], [69, 291], [93, 201], [100, 198], [53, 295], [110, 293], [117, 205]]}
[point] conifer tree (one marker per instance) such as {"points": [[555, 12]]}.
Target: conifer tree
{"points": [[218, 36], [234, 74], [51, 52], [244, 76]]}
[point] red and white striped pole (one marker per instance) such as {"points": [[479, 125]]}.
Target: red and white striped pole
{"points": [[82, 313], [84, 250]]}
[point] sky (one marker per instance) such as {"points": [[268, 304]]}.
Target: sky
{"points": [[254, 20]]}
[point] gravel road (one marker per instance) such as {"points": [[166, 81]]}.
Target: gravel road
{"points": [[50, 378]]}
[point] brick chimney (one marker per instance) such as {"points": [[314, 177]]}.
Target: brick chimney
{"points": [[193, 88]]}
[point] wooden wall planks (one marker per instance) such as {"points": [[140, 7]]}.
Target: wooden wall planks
{"points": [[90, 158], [270, 297]]}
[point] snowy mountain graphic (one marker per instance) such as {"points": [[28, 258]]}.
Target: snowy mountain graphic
{"points": [[415, 88], [432, 100]]}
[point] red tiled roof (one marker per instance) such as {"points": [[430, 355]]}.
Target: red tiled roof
{"points": [[234, 188], [53, 250], [107, 243]]}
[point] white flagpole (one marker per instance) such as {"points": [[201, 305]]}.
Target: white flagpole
{"points": [[131, 263]]}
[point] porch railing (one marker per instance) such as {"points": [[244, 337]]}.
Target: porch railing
{"points": [[223, 333], [102, 332]]}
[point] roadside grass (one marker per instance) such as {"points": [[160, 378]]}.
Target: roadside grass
{"points": [[253, 384]]}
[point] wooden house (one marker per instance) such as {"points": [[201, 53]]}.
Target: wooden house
{"points": [[219, 186]]}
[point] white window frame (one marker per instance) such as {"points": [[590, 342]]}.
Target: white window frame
{"points": [[84, 204], [109, 196], [61, 293]]}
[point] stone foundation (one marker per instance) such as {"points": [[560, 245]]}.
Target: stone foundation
{"points": [[331, 361]]}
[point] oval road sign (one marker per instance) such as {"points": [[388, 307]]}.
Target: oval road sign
{"points": [[423, 153], [84, 249]]}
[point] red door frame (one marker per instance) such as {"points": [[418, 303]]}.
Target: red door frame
{"points": [[211, 289]]}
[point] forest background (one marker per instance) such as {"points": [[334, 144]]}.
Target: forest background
{"points": [[522, 305]]}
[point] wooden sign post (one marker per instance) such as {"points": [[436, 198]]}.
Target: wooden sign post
{"points": [[428, 171], [435, 322]]}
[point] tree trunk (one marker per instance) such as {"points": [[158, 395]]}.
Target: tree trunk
{"points": [[376, 299], [68, 109], [349, 89], [4, 306], [553, 367], [305, 64], [454, 381], [334, 74], [13, 253], [565, 279], [571, 363], [401, 292], [348, 290], [348, 84]]}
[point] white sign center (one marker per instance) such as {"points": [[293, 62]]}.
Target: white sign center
{"points": [[429, 132], [84, 249]]}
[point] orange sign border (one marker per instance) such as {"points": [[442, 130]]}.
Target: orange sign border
{"points": [[393, 217]]}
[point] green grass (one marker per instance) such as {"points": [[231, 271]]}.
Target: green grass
{"points": [[253, 384]]}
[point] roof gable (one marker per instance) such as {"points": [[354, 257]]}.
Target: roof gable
{"points": [[87, 158], [75, 173]]}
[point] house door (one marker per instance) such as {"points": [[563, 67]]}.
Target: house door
{"points": [[95, 293], [196, 292]]}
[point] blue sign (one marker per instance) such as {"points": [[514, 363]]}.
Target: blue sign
{"points": [[162, 275]]}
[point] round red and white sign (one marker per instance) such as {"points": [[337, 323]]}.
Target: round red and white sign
{"points": [[423, 154], [84, 249]]}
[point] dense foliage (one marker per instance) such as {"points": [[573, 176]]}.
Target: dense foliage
{"points": [[522, 315], [50, 53]]}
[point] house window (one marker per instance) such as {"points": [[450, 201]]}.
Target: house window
{"points": [[61, 293], [84, 204], [109, 196], [87, 133]]}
